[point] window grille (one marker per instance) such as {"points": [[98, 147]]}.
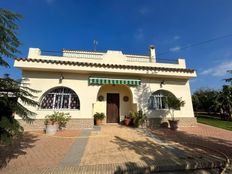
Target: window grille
{"points": [[60, 98]]}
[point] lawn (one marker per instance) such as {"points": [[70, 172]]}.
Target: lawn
{"points": [[216, 122]]}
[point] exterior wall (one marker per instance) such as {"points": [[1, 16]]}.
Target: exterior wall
{"points": [[180, 88], [45, 81], [74, 123], [122, 90], [45, 75]]}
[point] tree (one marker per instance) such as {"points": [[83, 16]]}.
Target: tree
{"points": [[14, 95], [174, 103], [229, 80], [9, 42], [224, 102], [204, 100]]}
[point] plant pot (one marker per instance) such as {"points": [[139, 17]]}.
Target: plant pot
{"points": [[98, 122], [173, 124], [51, 129], [127, 121]]}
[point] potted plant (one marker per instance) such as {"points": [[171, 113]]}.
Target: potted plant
{"points": [[127, 120], [56, 121], [62, 119], [98, 117], [51, 124], [138, 118], [173, 103]]}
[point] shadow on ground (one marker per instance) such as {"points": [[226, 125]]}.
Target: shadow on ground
{"points": [[192, 153], [195, 141], [9, 152]]}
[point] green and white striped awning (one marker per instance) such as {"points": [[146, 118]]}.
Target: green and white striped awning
{"points": [[105, 81]]}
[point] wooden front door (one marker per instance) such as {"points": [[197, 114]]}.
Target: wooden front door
{"points": [[112, 108]]}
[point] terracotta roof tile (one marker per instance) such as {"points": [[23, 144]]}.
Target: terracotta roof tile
{"points": [[107, 65]]}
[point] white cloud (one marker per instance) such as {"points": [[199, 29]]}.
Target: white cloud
{"points": [[219, 70], [175, 49], [139, 34]]}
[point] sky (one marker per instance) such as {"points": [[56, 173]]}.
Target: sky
{"points": [[131, 26]]}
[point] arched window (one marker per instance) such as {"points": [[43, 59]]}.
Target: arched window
{"points": [[60, 98], [157, 100]]}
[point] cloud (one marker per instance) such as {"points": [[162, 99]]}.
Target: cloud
{"points": [[144, 10], [139, 34], [175, 49], [219, 70]]}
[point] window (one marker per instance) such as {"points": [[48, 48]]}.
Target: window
{"points": [[157, 100], [60, 98]]}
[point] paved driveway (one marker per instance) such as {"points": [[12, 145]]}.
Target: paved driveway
{"points": [[115, 148], [126, 146]]}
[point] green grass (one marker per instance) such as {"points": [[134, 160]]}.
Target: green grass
{"points": [[216, 122]]}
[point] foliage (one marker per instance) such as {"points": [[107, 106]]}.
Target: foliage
{"points": [[59, 118], [9, 42], [99, 116], [229, 80], [224, 102], [12, 92], [9, 129], [138, 118], [14, 96], [204, 100], [213, 101], [173, 103]]}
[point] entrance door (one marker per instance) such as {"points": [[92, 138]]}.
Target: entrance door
{"points": [[112, 108]]}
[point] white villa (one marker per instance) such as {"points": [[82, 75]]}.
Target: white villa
{"points": [[83, 83]]}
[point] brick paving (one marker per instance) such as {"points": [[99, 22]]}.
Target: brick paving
{"points": [[116, 149], [203, 135], [35, 150], [123, 145]]}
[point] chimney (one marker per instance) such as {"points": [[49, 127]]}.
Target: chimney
{"points": [[152, 55]]}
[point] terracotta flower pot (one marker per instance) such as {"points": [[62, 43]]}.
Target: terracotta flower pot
{"points": [[173, 124], [127, 121], [98, 122]]}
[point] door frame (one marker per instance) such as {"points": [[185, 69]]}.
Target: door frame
{"points": [[118, 107]]}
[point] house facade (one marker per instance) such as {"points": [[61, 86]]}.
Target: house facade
{"points": [[82, 83]]}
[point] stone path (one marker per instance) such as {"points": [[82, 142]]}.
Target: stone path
{"points": [[75, 153]]}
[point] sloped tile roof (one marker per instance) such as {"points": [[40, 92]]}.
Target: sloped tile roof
{"points": [[104, 65]]}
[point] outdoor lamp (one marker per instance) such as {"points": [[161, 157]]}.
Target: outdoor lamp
{"points": [[61, 78]]}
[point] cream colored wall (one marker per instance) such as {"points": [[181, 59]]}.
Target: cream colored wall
{"points": [[110, 57], [125, 107], [44, 81], [180, 88]]}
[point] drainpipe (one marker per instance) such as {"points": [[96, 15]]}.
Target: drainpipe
{"points": [[152, 55]]}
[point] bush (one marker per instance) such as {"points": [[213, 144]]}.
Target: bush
{"points": [[59, 118], [138, 118], [99, 116]]}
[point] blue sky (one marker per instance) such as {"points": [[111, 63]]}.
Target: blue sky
{"points": [[131, 26]]}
